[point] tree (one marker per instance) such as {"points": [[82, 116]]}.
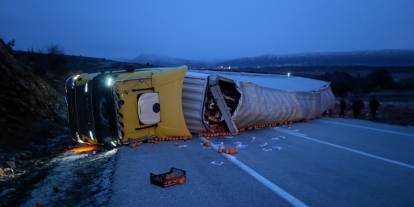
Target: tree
{"points": [[56, 60], [10, 45], [342, 82], [381, 79]]}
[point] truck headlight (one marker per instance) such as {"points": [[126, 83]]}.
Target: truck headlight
{"points": [[91, 135], [109, 81]]}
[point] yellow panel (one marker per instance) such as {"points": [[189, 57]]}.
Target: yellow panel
{"points": [[168, 82], [129, 91]]}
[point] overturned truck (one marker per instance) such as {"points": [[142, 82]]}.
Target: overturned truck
{"points": [[120, 107]]}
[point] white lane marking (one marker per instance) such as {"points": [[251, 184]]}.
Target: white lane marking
{"points": [[350, 149], [370, 128], [273, 187]]}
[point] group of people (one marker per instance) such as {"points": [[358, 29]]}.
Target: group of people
{"points": [[357, 105]]}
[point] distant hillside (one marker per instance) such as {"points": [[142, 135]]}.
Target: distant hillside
{"points": [[74, 63], [361, 58], [159, 60]]}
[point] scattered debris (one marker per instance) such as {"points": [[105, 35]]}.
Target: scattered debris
{"points": [[253, 138], [6, 173], [277, 147], [240, 145], [231, 151], [264, 144], [275, 138], [267, 149], [219, 163], [182, 146], [135, 144], [207, 143], [173, 177], [155, 140]]}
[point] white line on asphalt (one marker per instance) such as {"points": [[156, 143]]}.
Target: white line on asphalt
{"points": [[273, 187], [370, 128], [349, 149]]}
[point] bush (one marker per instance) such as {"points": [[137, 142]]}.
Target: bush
{"points": [[380, 79], [56, 60], [341, 82]]}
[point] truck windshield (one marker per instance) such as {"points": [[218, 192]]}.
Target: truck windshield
{"points": [[79, 110], [104, 109]]}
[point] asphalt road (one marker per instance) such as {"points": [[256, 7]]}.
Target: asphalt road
{"points": [[328, 162]]}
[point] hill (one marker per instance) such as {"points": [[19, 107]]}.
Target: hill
{"points": [[391, 58], [167, 61]]}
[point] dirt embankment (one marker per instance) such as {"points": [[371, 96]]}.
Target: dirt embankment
{"points": [[33, 121], [28, 104]]}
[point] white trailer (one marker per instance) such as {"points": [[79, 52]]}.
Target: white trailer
{"points": [[225, 101]]}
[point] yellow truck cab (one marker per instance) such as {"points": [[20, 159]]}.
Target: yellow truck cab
{"points": [[148, 104], [117, 107]]}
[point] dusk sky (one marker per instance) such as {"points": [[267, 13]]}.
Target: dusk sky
{"points": [[207, 30]]}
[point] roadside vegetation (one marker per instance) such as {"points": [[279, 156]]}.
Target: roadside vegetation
{"points": [[33, 122]]}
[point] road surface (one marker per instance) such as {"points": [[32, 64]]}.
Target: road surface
{"points": [[327, 162]]}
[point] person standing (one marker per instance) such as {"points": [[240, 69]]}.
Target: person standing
{"points": [[357, 106], [373, 106], [342, 107]]}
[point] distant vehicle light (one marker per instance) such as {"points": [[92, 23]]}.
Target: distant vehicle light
{"points": [[288, 74], [86, 88], [109, 81]]}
